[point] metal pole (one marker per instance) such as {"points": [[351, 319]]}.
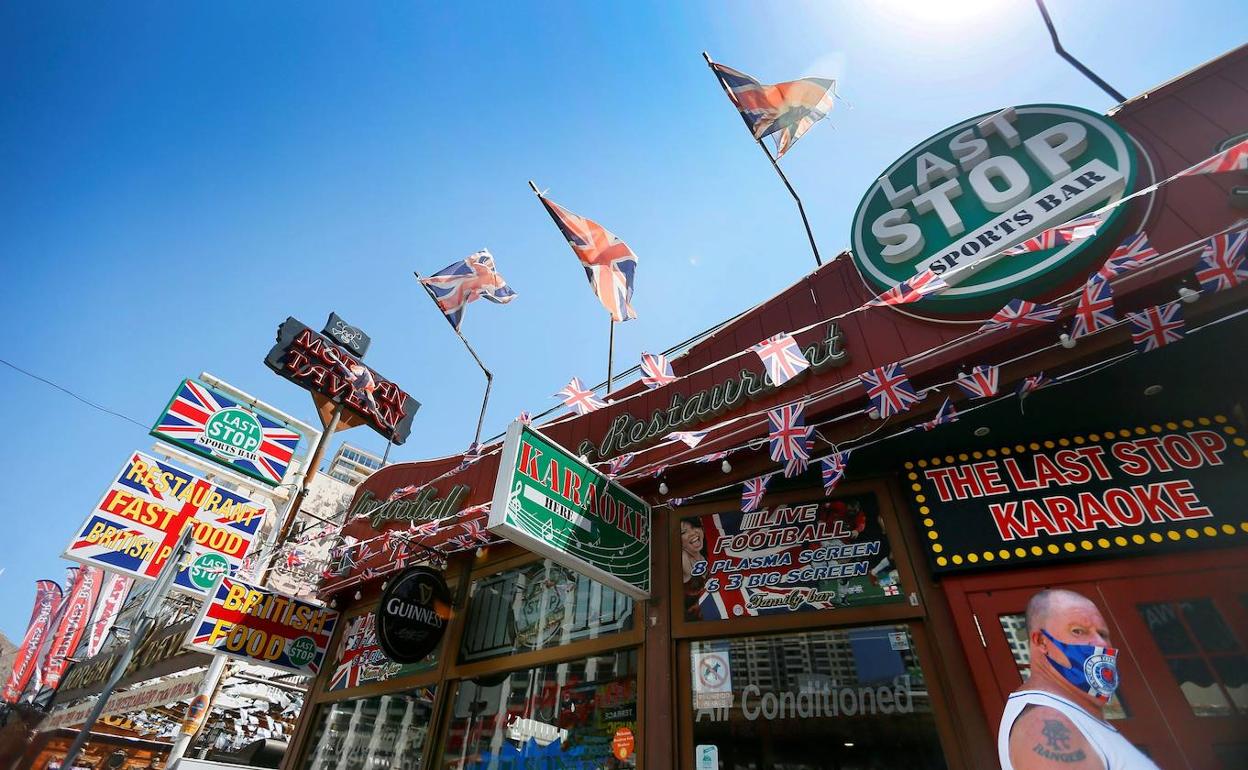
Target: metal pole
{"points": [[207, 688], [1089, 74], [292, 512], [800, 208], [610, 354], [489, 378], [147, 615]]}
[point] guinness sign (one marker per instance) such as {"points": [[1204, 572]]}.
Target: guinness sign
{"points": [[415, 609]]}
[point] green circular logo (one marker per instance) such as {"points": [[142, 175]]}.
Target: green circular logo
{"points": [[206, 569], [990, 182], [301, 651], [233, 431]]}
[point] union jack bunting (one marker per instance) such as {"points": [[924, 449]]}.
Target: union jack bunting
{"points": [[1032, 384], [945, 415], [471, 455], [458, 284], [676, 502], [1222, 262], [609, 264], [911, 289], [657, 472], [691, 437], [713, 456], [832, 468], [1095, 310], [473, 535], [1234, 158], [889, 390], [428, 529], [195, 404], [752, 493], [1019, 313], [1067, 232], [294, 558], [1130, 254], [397, 494], [656, 371], [617, 464], [579, 398], [1157, 326], [982, 382], [782, 357], [789, 436], [524, 418], [783, 111]]}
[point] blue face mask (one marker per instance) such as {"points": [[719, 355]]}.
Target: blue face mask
{"points": [[1092, 669]]}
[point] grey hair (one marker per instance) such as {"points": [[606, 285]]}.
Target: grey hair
{"points": [[1040, 605]]}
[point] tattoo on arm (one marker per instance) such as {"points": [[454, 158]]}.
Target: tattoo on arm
{"points": [[1056, 744]]}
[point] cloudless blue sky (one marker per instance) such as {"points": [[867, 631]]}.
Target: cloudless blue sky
{"points": [[177, 178]]}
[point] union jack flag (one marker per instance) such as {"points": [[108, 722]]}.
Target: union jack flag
{"points": [[657, 472], [473, 535], [458, 284], [524, 418], [579, 398], [619, 463], [428, 529], [752, 493], [1234, 158], [789, 436], [397, 494], [185, 423], [656, 371], [676, 502], [609, 264], [1157, 326], [362, 381], [786, 110], [911, 289], [471, 455], [982, 382], [1032, 384], [945, 415], [691, 437], [782, 357], [294, 558], [1019, 313], [889, 390], [713, 456], [1130, 254], [833, 470], [1095, 310], [1074, 230], [1222, 262]]}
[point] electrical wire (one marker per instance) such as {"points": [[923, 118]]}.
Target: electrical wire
{"points": [[72, 394]]}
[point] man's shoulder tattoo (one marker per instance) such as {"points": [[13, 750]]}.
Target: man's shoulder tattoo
{"points": [[1056, 746]]}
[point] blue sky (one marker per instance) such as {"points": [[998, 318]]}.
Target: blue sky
{"points": [[177, 178]]}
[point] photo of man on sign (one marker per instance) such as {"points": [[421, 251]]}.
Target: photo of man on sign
{"points": [[1057, 718]]}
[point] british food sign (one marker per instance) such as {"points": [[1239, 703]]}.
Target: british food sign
{"points": [[966, 194]]}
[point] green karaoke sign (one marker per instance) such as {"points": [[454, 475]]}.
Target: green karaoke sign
{"points": [[551, 502], [987, 183]]}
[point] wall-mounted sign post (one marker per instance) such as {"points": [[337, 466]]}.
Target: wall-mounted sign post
{"points": [[549, 501]]}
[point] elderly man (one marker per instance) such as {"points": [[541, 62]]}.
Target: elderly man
{"points": [[1056, 719]]}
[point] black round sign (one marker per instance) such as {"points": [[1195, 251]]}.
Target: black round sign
{"points": [[414, 611]]}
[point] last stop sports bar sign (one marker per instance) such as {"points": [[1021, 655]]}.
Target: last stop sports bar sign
{"points": [[987, 183], [1143, 489]]}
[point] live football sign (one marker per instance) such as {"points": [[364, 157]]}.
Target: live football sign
{"points": [[136, 525]]}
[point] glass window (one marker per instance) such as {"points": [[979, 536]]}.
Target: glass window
{"points": [[539, 606], [386, 731], [1202, 653], [853, 698], [581, 714]]}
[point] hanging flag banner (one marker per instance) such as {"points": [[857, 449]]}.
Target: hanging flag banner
{"points": [[75, 611], [137, 523], [243, 438], [1149, 489], [549, 501], [47, 599], [818, 555], [262, 626], [984, 185], [313, 362], [113, 595]]}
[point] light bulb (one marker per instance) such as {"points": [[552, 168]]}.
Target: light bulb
{"points": [[1066, 341], [1188, 295], [358, 596], [725, 466], [662, 487]]}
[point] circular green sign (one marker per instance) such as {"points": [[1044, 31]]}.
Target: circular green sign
{"points": [[206, 569], [233, 431], [301, 651], [985, 184]]}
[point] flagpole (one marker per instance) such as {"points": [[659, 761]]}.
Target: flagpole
{"points": [[800, 208], [489, 378]]}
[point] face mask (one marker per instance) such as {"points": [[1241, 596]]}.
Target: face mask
{"points": [[1092, 669]]}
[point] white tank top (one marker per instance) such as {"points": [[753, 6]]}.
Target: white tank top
{"points": [[1115, 751]]}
